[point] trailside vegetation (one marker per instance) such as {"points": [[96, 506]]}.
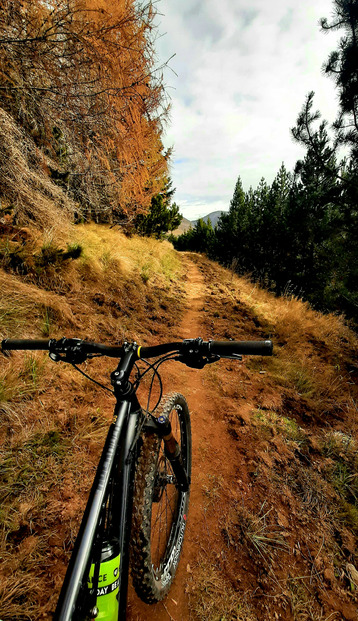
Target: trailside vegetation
{"points": [[300, 234], [79, 81], [200, 238], [163, 216]]}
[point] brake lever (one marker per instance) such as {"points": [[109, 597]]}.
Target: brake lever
{"points": [[197, 362], [67, 350]]}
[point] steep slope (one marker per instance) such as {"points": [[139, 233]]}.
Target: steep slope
{"points": [[273, 518]]}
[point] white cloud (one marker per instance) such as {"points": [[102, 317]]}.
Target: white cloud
{"points": [[243, 75]]}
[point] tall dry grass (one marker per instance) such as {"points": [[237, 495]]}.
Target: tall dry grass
{"points": [[25, 187], [312, 351]]}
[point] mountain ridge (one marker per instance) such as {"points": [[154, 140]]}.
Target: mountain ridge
{"points": [[186, 224]]}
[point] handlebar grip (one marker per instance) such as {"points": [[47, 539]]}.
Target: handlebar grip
{"points": [[250, 348], [9, 344]]}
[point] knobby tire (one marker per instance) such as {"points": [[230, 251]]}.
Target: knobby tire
{"points": [[159, 508]]}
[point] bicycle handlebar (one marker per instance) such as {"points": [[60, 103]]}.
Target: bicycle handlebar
{"points": [[186, 347]]}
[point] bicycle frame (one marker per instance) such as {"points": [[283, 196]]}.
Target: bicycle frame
{"points": [[107, 517], [120, 443]]}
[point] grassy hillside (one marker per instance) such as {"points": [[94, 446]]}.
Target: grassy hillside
{"points": [[277, 519], [284, 528]]}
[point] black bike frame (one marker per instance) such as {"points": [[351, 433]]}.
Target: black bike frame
{"points": [[109, 507], [119, 450]]}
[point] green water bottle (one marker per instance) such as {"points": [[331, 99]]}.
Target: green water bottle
{"points": [[108, 582]]}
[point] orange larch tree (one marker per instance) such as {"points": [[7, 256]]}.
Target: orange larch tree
{"points": [[80, 77]]}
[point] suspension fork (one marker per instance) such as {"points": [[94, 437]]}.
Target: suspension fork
{"points": [[162, 427]]}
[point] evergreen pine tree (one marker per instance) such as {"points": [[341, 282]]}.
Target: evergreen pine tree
{"points": [[342, 66], [162, 217], [314, 218], [232, 230], [277, 240]]}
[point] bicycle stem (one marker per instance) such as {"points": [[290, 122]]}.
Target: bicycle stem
{"points": [[120, 377]]}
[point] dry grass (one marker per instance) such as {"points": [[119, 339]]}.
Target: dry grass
{"points": [[303, 604], [24, 307], [212, 596], [112, 254], [292, 318], [122, 278], [312, 352], [255, 531], [49, 451], [287, 317], [293, 419], [25, 187]]}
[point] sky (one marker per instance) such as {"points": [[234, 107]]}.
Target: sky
{"points": [[238, 80]]}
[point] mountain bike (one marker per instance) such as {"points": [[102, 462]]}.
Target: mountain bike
{"points": [[137, 508]]}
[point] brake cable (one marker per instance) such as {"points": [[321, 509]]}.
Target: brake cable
{"points": [[150, 366], [91, 378]]}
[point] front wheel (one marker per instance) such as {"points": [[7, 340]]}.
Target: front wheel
{"points": [[159, 507]]}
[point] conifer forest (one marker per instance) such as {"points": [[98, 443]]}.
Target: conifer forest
{"points": [[299, 235]]}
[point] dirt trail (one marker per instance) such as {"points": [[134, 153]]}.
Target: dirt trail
{"points": [[211, 447]]}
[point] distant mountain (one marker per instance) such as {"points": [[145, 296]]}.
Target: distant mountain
{"points": [[213, 216], [187, 224]]}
